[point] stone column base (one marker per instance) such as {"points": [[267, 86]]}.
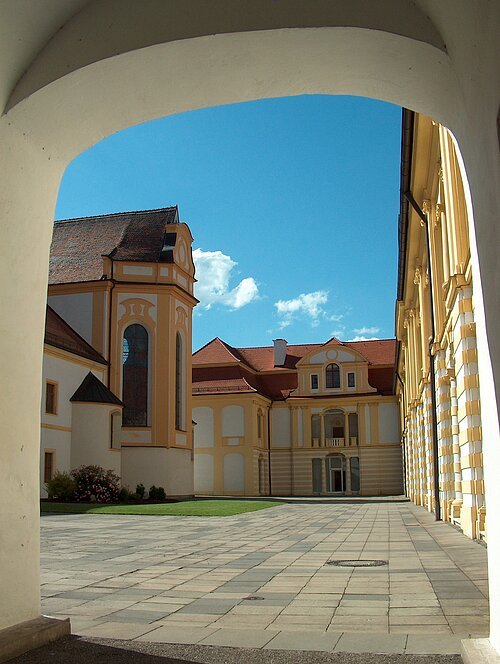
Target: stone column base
{"points": [[20, 638], [479, 651], [468, 516]]}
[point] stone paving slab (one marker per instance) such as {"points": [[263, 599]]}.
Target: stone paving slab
{"points": [[259, 580]]}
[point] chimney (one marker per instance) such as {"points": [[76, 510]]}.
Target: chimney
{"points": [[279, 352]]}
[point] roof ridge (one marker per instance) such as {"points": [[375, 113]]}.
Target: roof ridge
{"points": [[364, 341], [271, 347], [113, 214]]}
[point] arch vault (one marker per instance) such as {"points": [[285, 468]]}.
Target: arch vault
{"points": [[75, 71]]}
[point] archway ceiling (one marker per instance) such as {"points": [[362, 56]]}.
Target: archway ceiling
{"points": [[48, 41]]}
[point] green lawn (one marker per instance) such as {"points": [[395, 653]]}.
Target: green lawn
{"points": [[182, 508]]}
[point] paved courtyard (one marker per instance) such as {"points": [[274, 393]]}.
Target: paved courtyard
{"points": [[259, 580]]}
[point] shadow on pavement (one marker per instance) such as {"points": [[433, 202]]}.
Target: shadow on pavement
{"points": [[81, 650]]}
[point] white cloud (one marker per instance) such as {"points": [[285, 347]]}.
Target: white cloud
{"points": [[214, 271], [306, 304], [366, 330], [362, 338]]}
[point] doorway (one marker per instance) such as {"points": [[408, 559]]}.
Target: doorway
{"points": [[335, 473]]}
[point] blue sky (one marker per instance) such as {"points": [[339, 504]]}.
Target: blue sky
{"points": [[293, 204]]}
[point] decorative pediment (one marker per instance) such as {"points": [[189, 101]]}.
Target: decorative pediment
{"points": [[337, 353]]}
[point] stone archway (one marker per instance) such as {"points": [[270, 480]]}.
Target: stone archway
{"points": [[92, 79]]}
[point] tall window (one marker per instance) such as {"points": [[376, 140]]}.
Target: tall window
{"points": [[354, 474], [333, 375], [179, 384], [135, 376], [51, 398], [48, 466], [115, 426], [314, 381], [316, 430], [353, 427], [259, 424]]}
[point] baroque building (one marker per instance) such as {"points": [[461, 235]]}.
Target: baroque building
{"points": [[296, 419], [117, 361], [437, 363]]}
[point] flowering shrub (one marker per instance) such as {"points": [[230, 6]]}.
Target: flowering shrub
{"points": [[60, 487], [93, 483]]}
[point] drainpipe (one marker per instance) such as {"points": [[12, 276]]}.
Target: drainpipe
{"points": [[269, 450], [403, 438], [109, 323], [434, 437]]}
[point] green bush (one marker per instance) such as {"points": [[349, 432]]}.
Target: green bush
{"points": [[157, 493], [124, 495], [60, 487], [93, 483], [140, 490]]}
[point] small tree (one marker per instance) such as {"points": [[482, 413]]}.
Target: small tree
{"points": [[60, 487], [95, 483]]}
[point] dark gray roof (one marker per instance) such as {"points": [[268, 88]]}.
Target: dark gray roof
{"points": [[92, 390]]}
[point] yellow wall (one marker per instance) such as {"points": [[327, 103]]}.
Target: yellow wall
{"points": [[438, 189]]}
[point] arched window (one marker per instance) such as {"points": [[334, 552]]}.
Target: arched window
{"points": [[332, 375], [135, 376], [179, 384]]}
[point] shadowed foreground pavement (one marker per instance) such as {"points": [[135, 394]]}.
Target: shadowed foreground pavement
{"points": [[81, 650]]}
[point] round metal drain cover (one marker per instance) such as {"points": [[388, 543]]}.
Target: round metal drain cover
{"points": [[357, 563], [253, 597]]}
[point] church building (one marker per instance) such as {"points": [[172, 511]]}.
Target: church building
{"points": [[117, 359], [310, 419]]}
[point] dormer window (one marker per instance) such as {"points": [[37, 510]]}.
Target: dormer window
{"points": [[314, 382], [351, 379], [332, 376]]}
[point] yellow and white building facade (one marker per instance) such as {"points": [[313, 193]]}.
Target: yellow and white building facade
{"points": [[435, 327], [123, 285], [302, 420]]}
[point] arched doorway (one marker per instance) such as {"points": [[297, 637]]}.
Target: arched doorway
{"points": [[213, 56]]}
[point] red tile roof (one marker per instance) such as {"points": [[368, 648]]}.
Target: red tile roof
{"points": [[60, 335], [261, 358], [79, 244], [256, 367]]}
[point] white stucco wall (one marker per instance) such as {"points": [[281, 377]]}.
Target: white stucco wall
{"points": [[68, 375], [170, 468], [204, 429], [388, 423], [280, 427], [76, 309], [234, 472], [203, 473], [59, 442], [233, 421], [91, 437]]}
